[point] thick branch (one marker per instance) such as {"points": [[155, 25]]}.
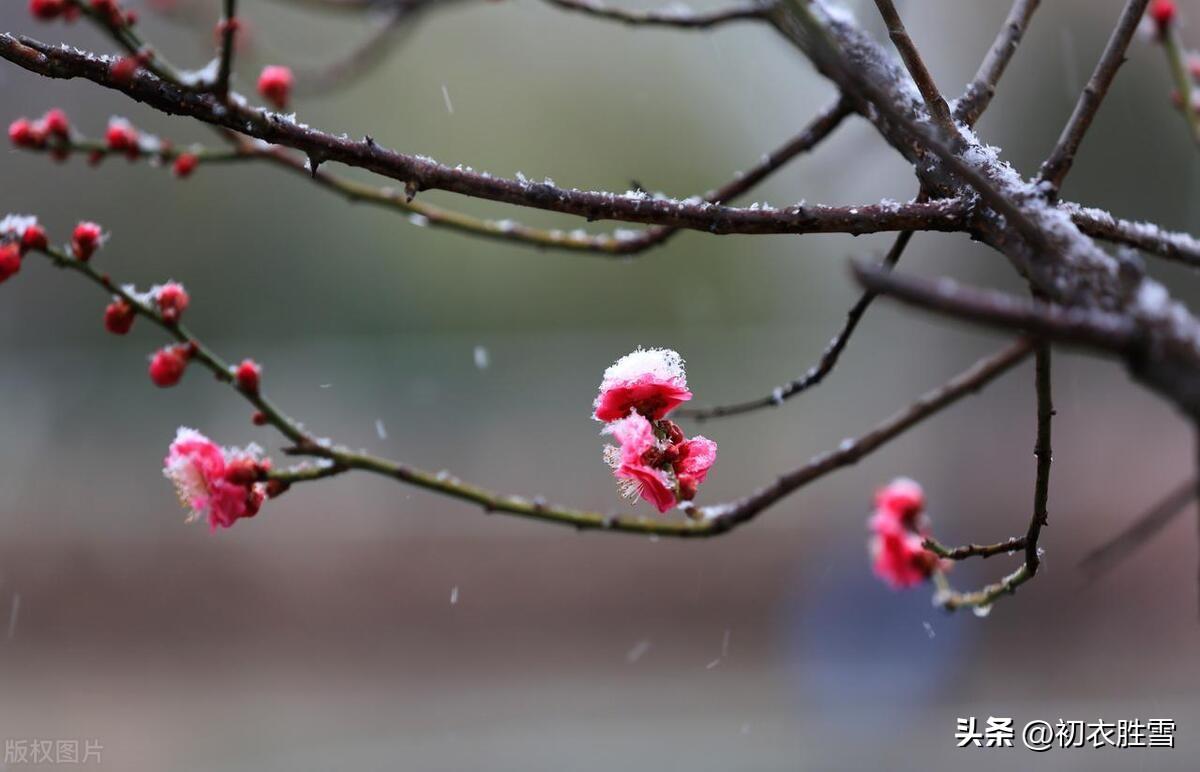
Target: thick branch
{"points": [[421, 173], [1098, 330]]}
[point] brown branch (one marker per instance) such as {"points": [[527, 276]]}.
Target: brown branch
{"points": [[667, 17], [852, 450], [228, 30], [421, 173], [1058, 164], [1105, 557], [1044, 454], [974, 550], [982, 87], [1099, 330], [703, 521], [934, 101], [1180, 247], [815, 374]]}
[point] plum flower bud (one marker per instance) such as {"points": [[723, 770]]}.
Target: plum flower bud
{"points": [[898, 556], [10, 261], [122, 137], [651, 382], [56, 124], [247, 375], [184, 165], [1163, 13], [902, 499], [34, 237], [85, 239], [275, 85], [23, 133], [221, 484], [168, 364], [172, 300], [119, 316], [47, 10]]}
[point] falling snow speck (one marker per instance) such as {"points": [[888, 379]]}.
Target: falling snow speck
{"points": [[454, 595], [380, 429], [12, 614], [446, 99], [638, 651], [482, 358], [713, 664], [929, 630]]}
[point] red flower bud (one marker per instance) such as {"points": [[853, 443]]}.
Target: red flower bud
{"points": [[10, 261], [185, 164], [259, 418], [122, 137], [167, 366], [275, 85], [118, 317], [22, 133], [34, 237], [86, 238], [124, 69], [248, 374], [172, 301], [56, 124], [242, 471], [47, 10], [1164, 14]]}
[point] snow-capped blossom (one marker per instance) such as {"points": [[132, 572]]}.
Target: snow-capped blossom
{"points": [[649, 381], [247, 376], [172, 300], [122, 137], [902, 499], [10, 261], [275, 85], [14, 225], [222, 484], [85, 239], [34, 237], [897, 554], [633, 465], [168, 365], [119, 316], [184, 165]]}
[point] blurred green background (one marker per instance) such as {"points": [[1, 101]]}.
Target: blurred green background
{"points": [[322, 635]]}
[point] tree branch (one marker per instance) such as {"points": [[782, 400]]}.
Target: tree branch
{"points": [[679, 17], [982, 87], [1106, 557], [934, 101], [1058, 164], [974, 550]]}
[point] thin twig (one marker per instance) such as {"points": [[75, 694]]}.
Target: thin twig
{"points": [[1042, 450], [1177, 63], [704, 521], [824, 365], [934, 101], [228, 27], [1058, 164], [974, 550], [680, 17], [1097, 223], [982, 87]]}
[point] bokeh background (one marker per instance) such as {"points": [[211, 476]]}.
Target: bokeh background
{"points": [[322, 634]]}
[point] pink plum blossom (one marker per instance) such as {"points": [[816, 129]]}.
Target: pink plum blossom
{"points": [[650, 381], [898, 555], [220, 483], [902, 499], [631, 463]]}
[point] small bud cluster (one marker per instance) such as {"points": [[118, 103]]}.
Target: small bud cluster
{"points": [[655, 461], [18, 235], [53, 133], [108, 12], [898, 530]]}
